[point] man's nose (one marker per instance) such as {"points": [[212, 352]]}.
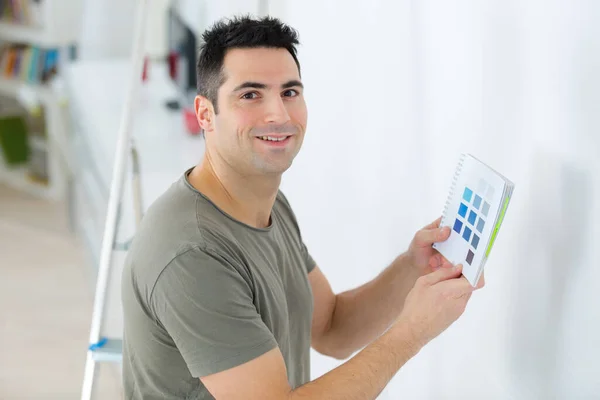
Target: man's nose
{"points": [[276, 111]]}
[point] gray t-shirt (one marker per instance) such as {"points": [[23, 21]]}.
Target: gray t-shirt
{"points": [[203, 292]]}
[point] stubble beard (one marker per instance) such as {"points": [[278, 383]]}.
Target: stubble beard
{"points": [[273, 166]]}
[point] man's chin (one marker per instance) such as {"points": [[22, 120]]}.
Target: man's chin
{"points": [[274, 168], [278, 170]]}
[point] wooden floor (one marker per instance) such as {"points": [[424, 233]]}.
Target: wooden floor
{"points": [[46, 300]]}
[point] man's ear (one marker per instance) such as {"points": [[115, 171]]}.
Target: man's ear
{"points": [[204, 113]]}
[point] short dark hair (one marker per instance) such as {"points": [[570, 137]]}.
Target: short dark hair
{"points": [[238, 32]]}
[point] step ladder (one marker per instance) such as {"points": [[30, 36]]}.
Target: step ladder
{"points": [[102, 349]]}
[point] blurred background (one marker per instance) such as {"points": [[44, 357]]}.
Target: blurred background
{"points": [[396, 91]]}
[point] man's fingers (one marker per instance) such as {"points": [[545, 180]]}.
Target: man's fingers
{"points": [[435, 262], [443, 274], [457, 288], [438, 261], [434, 224], [467, 296], [481, 282], [426, 237]]}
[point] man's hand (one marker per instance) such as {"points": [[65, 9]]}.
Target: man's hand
{"points": [[421, 254], [423, 257], [434, 303]]}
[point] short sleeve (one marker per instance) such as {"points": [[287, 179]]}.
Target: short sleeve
{"points": [[206, 306], [309, 262]]}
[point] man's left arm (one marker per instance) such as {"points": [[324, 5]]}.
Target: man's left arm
{"points": [[346, 322]]}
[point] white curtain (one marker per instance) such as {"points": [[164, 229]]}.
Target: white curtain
{"points": [[396, 89]]}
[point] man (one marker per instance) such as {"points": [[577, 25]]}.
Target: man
{"points": [[221, 296]]}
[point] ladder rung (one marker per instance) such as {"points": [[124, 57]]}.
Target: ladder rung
{"points": [[123, 246], [110, 351]]}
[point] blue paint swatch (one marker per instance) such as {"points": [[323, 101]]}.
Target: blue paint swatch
{"points": [[467, 194], [467, 233], [462, 210], [472, 217], [486, 208], [480, 224], [475, 241], [458, 226], [477, 202]]}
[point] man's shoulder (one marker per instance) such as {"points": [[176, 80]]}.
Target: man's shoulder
{"points": [[170, 218], [182, 214], [180, 220]]}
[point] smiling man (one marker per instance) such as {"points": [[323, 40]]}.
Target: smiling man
{"points": [[221, 297]]}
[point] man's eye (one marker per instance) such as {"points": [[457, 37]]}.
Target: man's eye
{"points": [[250, 96], [290, 93]]}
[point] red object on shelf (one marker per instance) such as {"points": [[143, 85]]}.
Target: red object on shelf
{"points": [[173, 65], [191, 121], [145, 70]]}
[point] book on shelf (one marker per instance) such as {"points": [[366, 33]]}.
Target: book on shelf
{"points": [[21, 12], [30, 64], [23, 140], [13, 140]]}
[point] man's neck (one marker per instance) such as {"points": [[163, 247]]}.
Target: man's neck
{"points": [[249, 199]]}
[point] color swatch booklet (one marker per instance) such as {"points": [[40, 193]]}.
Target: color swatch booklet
{"points": [[474, 210]]}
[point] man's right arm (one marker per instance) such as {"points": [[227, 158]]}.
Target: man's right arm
{"points": [[436, 301], [362, 377]]}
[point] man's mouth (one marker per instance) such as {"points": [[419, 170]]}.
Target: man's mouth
{"points": [[273, 138]]}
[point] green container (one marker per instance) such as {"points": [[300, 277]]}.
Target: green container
{"points": [[13, 140]]}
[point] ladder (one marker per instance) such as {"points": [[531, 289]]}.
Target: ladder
{"points": [[102, 349]]}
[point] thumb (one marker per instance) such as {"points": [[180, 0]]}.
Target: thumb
{"points": [[443, 274]]}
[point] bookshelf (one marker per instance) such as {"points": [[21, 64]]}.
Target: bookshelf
{"points": [[13, 87], [46, 23], [35, 39]]}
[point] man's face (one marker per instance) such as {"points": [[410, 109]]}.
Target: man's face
{"points": [[262, 114]]}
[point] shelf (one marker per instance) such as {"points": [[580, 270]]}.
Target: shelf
{"points": [[54, 26], [13, 87], [29, 34], [19, 179]]}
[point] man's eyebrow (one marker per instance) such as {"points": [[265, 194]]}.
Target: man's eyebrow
{"points": [[258, 85], [254, 85], [292, 83]]}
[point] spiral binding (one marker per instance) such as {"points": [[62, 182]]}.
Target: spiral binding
{"points": [[457, 172]]}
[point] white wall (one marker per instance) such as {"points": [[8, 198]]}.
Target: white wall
{"points": [[108, 27], [358, 176]]}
